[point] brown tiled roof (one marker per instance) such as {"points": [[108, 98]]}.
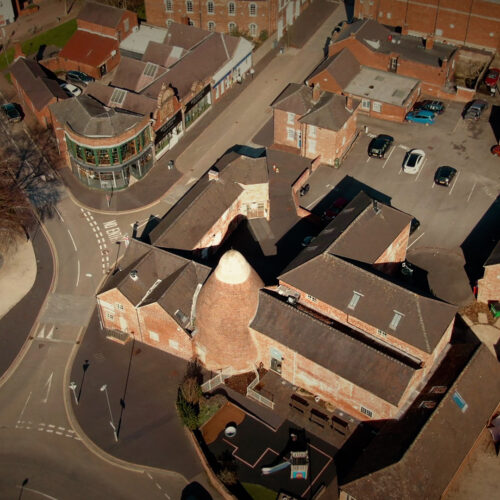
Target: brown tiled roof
{"points": [[182, 35], [346, 356], [130, 75], [101, 14], [88, 48], [88, 117], [330, 112], [343, 67], [296, 98], [193, 216], [136, 103], [433, 458], [334, 280], [162, 54], [35, 82]]}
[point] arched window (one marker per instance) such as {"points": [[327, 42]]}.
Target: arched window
{"points": [[253, 28], [231, 8], [210, 7], [231, 28], [189, 5], [169, 5], [252, 9], [211, 26]]}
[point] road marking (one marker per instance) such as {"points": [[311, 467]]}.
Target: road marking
{"points": [[78, 273], [72, 240], [388, 156], [59, 433], [61, 428], [50, 335], [50, 431], [59, 213], [23, 488], [368, 159], [456, 179], [51, 425], [24, 407], [158, 486], [88, 275], [149, 475], [41, 333], [470, 194], [414, 241], [402, 146], [48, 384]]}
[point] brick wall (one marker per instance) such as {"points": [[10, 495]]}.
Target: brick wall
{"points": [[394, 254], [489, 285], [117, 313]]}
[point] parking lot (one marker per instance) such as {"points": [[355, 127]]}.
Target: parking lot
{"points": [[447, 214]]}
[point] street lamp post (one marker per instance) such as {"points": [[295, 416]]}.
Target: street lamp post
{"points": [[72, 386], [104, 389]]}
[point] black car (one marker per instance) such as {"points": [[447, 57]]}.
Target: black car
{"points": [[79, 77], [444, 175], [428, 105], [415, 224], [474, 109], [304, 190], [11, 112], [379, 145]]}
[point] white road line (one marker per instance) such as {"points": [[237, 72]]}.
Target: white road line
{"points": [[388, 156], [158, 486], [149, 475], [470, 194], [78, 273], [24, 407], [23, 488], [456, 179], [419, 172], [59, 213], [50, 431], [72, 240], [414, 241], [48, 385], [402, 146], [93, 229], [59, 433], [51, 333], [166, 495], [368, 159], [51, 425], [61, 428]]}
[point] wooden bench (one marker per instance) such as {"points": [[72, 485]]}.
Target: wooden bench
{"points": [[318, 418], [339, 425], [298, 403]]}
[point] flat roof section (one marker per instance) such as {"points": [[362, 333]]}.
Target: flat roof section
{"points": [[138, 41]]}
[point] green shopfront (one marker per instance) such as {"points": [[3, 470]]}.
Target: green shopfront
{"points": [[110, 167]]}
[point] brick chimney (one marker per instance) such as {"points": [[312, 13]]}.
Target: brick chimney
{"points": [[348, 104], [316, 92], [429, 42], [18, 52]]}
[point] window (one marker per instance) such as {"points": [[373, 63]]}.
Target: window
{"points": [[381, 332], [253, 29], [252, 9], [290, 117], [365, 104], [311, 146], [110, 316], [427, 405], [119, 306], [354, 300], [312, 131], [311, 298], [231, 28], [438, 389], [211, 26], [460, 401], [174, 344], [231, 8], [168, 5], [367, 412], [290, 132], [210, 7], [377, 106], [189, 6], [154, 336], [395, 320]]}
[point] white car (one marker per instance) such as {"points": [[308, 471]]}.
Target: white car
{"points": [[70, 89], [413, 161]]}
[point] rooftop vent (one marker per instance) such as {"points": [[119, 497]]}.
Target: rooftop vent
{"points": [[291, 300], [376, 208], [213, 174], [133, 275]]}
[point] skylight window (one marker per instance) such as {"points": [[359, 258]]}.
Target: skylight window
{"points": [[395, 320], [354, 300], [150, 69], [118, 96]]}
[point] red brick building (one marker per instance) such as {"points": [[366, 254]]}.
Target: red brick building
{"points": [[488, 287], [255, 18], [475, 23], [317, 124], [94, 47]]}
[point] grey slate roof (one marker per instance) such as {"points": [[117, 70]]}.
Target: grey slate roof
{"points": [[162, 54], [101, 14], [182, 35], [88, 117], [130, 75], [34, 80], [437, 452], [190, 219], [295, 98], [336, 351], [330, 112], [342, 66], [376, 37], [494, 257]]}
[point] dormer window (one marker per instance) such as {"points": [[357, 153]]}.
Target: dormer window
{"points": [[395, 320], [354, 300]]}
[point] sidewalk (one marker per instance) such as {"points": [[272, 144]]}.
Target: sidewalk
{"points": [[272, 70]]}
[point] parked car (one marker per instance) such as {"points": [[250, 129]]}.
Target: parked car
{"points": [[338, 27], [492, 77], [334, 209], [495, 150], [304, 189], [428, 105], [474, 109], [413, 161], [379, 145], [79, 77], [307, 241], [11, 112], [414, 225], [70, 89], [421, 116], [444, 175]]}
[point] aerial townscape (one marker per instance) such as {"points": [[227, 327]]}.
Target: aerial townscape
{"points": [[250, 249]]}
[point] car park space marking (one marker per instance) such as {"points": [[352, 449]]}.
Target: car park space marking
{"points": [[402, 146], [59, 214], [456, 179], [388, 156], [471, 191], [414, 241], [420, 171]]}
